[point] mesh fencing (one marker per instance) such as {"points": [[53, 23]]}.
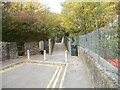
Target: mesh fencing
{"points": [[104, 42]]}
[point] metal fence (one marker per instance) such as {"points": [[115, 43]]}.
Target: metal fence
{"points": [[104, 42]]}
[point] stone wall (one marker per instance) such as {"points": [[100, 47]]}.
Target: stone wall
{"points": [[34, 47], [46, 46], [101, 73], [9, 50]]}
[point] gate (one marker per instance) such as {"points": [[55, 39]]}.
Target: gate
{"points": [[20, 50]]}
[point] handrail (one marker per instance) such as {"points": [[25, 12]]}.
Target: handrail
{"points": [[67, 38]]}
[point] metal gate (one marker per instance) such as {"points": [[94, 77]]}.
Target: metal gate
{"points": [[21, 50]]}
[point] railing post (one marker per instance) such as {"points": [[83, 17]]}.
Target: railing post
{"points": [[78, 50], [49, 46], [62, 40], [28, 54], [45, 55], [69, 45], [66, 56]]}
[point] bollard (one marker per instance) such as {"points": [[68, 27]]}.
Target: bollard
{"points": [[50, 46], [28, 54], [66, 56], [45, 55]]}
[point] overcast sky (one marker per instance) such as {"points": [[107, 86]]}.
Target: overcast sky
{"points": [[55, 5]]}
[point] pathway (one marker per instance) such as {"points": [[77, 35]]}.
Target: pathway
{"points": [[76, 74], [58, 54]]}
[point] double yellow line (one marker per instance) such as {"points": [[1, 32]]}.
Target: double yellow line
{"points": [[58, 80], [55, 78]]}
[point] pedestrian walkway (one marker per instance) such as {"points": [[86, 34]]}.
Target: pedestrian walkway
{"points": [[76, 76], [58, 54]]}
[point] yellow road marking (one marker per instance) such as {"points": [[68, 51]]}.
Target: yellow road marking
{"points": [[53, 77], [12, 67], [56, 79], [63, 78]]}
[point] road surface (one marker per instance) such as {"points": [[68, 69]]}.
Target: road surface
{"points": [[43, 76]]}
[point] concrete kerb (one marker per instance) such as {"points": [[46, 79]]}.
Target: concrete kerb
{"points": [[11, 65], [32, 61], [48, 62]]}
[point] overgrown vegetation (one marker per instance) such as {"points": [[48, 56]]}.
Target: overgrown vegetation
{"points": [[30, 21], [84, 17]]}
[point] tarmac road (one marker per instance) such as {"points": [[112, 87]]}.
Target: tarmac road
{"points": [[28, 76]]}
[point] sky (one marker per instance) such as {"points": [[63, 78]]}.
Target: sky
{"points": [[54, 5]]}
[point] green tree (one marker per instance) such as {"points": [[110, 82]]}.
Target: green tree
{"points": [[28, 22], [84, 17]]}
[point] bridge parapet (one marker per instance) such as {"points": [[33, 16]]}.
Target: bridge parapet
{"points": [[101, 73]]}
